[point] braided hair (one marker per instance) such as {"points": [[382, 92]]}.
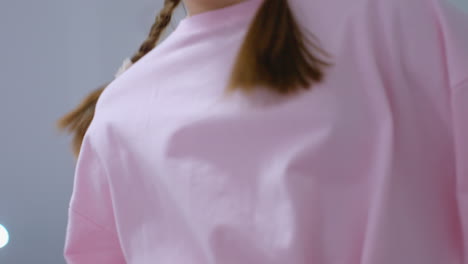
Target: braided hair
{"points": [[276, 54], [79, 119]]}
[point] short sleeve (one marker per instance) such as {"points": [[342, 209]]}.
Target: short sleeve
{"points": [[91, 233]]}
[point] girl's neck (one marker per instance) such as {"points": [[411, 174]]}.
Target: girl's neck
{"points": [[195, 7]]}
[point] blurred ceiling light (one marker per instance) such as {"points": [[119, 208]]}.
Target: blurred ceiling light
{"points": [[4, 237]]}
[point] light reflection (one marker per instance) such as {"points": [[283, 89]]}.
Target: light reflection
{"points": [[4, 236]]}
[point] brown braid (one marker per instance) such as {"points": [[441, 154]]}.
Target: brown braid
{"points": [[277, 53], [78, 120], [161, 23]]}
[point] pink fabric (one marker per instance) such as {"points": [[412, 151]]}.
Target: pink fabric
{"points": [[369, 167]]}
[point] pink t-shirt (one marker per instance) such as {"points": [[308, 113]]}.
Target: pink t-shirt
{"points": [[369, 167]]}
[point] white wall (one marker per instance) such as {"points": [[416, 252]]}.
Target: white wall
{"points": [[462, 4]]}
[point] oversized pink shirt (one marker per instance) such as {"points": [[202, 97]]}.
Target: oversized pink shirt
{"points": [[368, 167]]}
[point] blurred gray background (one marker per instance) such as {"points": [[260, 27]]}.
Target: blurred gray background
{"points": [[52, 53]]}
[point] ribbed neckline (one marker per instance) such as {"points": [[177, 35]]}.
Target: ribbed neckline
{"points": [[212, 20]]}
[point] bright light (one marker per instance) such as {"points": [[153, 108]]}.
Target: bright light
{"points": [[4, 237]]}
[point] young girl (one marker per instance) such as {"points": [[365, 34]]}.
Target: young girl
{"points": [[281, 131]]}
